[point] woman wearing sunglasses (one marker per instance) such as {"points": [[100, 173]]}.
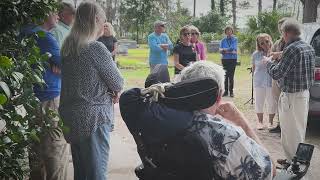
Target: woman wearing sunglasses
{"points": [[262, 82], [183, 53], [197, 44]]}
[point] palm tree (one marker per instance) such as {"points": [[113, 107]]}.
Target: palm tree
{"points": [[259, 6]]}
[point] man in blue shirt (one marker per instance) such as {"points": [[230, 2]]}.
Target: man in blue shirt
{"points": [[159, 44], [228, 50], [49, 158]]}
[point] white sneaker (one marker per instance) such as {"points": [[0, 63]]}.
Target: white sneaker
{"points": [[260, 126]]}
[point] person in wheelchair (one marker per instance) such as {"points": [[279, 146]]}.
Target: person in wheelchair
{"points": [[193, 140]]}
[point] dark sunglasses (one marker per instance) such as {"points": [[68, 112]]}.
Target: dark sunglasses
{"points": [[186, 34], [264, 42], [194, 34], [162, 25]]}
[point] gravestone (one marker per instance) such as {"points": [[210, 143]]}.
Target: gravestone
{"points": [[131, 44], [123, 50], [213, 46]]}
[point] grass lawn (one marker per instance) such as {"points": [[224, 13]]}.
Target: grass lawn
{"points": [[135, 69]]}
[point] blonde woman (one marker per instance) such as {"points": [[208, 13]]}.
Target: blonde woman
{"points": [[262, 81], [88, 73], [197, 44], [109, 40], [183, 53]]}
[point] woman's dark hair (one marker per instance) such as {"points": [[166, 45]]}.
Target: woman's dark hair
{"points": [[228, 28]]}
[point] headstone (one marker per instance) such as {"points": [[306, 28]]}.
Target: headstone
{"points": [[213, 46], [123, 50], [131, 44]]}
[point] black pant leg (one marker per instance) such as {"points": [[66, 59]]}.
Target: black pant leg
{"points": [[226, 79], [232, 68]]}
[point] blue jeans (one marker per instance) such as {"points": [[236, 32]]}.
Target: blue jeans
{"points": [[90, 156]]}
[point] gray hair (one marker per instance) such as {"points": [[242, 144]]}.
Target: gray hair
{"points": [[204, 69], [84, 29], [291, 25], [66, 6]]}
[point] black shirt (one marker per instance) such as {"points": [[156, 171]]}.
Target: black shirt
{"points": [[155, 120], [187, 54], [109, 42]]}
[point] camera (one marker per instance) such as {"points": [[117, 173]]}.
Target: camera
{"points": [[299, 165]]}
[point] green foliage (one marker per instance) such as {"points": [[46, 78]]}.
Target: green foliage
{"points": [[207, 37], [136, 13], [266, 22], [21, 66], [176, 20], [212, 22]]}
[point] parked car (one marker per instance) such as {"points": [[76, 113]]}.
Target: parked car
{"points": [[311, 34]]}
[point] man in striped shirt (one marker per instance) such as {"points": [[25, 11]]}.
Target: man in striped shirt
{"points": [[295, 74]]}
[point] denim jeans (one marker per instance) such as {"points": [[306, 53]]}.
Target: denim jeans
{"points": [[90, 156]]}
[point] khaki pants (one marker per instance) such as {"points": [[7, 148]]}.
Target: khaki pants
{"points": [[293, 114], [49, 158], [275, 91]]}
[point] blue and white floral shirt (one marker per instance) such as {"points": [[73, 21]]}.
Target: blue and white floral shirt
{"points": [[234, 154]]}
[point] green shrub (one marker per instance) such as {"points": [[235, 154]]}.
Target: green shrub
{"points": [[21, 66], [207, 37], [266, 22]]}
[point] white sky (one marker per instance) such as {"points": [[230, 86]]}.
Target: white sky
{"points": [[203, 6]]}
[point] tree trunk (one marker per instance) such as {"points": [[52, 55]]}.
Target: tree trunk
{"points": [[109, 10], [234, 13], [294, 8], [222, 8], [274, 6], [213, 5], [310, 10], [194, 8], [137, 31], [298, 13], [259, 6]]}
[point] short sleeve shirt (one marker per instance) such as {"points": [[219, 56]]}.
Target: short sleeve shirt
{"points": [[261, 78], [186, 54], [234, 154], [108, 42]]}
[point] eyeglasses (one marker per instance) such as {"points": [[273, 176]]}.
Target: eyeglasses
{"points": [[162, 25], [264, 42], [195, 34], [186, 34]]}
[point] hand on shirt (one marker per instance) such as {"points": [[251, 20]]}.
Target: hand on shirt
{"points": [[226, 51], [55, 69], [164, 46], [276, 55], [266, 60], [115, 97]]}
